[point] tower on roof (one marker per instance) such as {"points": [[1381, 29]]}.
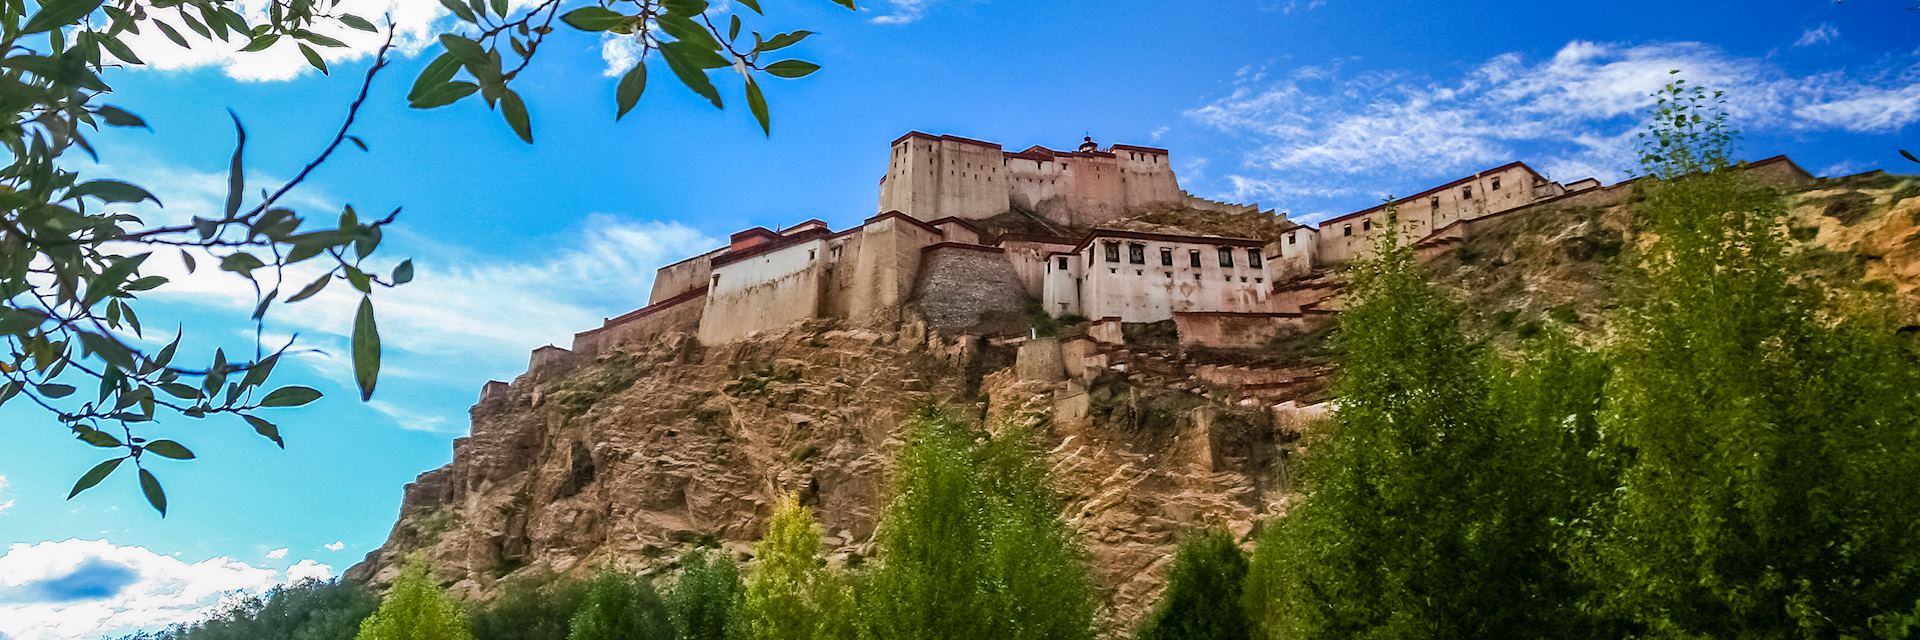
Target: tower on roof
{"points": [[1086, 144]]}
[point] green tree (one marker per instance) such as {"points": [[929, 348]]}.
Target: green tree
{"points": [[971, 544], [1421, 516], [1202, 600], [306, 610], [621, 606], [790, 594], [530, 609], [703, 599], [415, 609], [1769, 434], [77, 254]]}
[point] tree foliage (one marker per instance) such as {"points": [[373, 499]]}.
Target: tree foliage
{"points": [[306, 610], [1421, 518], [705, 597], [1203, 596], [971, 544], [1768, 434], [621, 606], [530, 609], [415, 609], [790, 594], [79, 252]]}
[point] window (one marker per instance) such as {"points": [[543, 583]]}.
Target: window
{"points": [[1346, 229], [716, 280], [1136, 253], [1113, 252], [811, 254], [1193, 260], [1434, 203], [1226, 256], [1289, 238], [1366, 225], [834, 253], [1466, 192], [1496, 183], [1063, 264], [1253, 258], [1166, 257]]}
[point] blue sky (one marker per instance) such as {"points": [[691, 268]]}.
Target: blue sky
{"points": [[1313, 107]]}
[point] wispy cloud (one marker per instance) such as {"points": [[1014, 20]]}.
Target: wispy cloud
{"points": [[1822, 34], [1314, 133], [335, 545], [277, 554], [5, 502], [93, 588], [902, 12]]}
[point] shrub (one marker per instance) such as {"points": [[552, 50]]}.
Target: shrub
{"points": [[789, 595], [620, 606], [415, 609], [530, 609], [1202, 600], [702, 601]]}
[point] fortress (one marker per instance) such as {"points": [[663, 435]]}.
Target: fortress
{"points": [[976, 240]]}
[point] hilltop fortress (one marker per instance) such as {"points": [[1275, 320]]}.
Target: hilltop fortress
{"points": [[976, 240]]}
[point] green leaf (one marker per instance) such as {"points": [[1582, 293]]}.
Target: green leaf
{"points": [[366, 349], [460, 9], [632, 84], [241, 263], [358, 22], [515, 112], [1908, 156], [758, 104], [236, 178], [168, 449], [437, 73], [313, 58], [684, 29], [119, 50], [846, 3], [403, 273], [445, 94], [266, 429], [290, 397], [157, 497], [55, 390], [783, 40], [467, 51], [693, 76], [792, 68], [96, 437], [312, 288], [59, 13], [752, 4], [168, 31], [261, 43], [112, 191], [94, 476], [593, 19]]}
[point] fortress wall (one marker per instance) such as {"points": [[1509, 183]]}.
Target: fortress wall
{"points": [[887, 265], [1352, 236], [681, 313], [1029, 258], [1151, 291], [1060, 290], [766, 291], [1233, 330], [683, 276], [932, 177], [971, 289], [839, 278]]}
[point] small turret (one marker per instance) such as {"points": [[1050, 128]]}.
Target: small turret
{"points": [[1086, 144]]}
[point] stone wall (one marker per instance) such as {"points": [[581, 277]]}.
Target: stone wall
{"points": [[971, 289], [763, 291], [1151, 290], [679, 313], [1234, 330]]}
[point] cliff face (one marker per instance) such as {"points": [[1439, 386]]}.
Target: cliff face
{"points": [[633, 457]]}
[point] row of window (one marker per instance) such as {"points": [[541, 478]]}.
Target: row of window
{"points": [[1137, 254]]}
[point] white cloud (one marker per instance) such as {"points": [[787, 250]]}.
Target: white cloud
{"points": [[309, 570], [92, 588], [277, 554], [410, 419], [620, 52], [1317, 130], [903, 12], [335, 545], [5, 502], [417, 23], [1822, 34]]}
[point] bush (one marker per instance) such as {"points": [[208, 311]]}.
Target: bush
{"points": [[621, 606], [307, 610], [530, 609], [415, 609], [703, 600], [789, 595], [1204, 590]]}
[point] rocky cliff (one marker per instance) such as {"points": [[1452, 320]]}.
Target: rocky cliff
{"points": [[632, 456]]}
